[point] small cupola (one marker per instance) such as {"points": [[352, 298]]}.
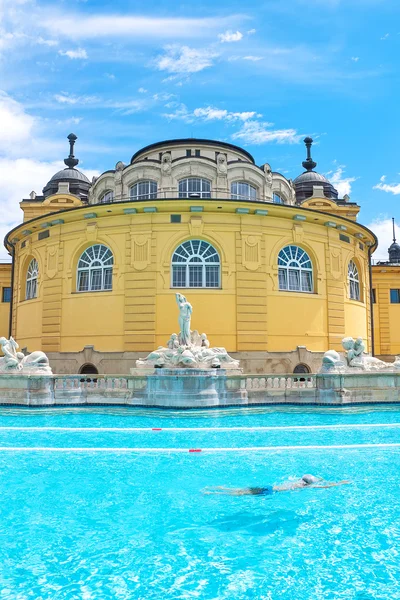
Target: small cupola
{"points": [[71, 180], [304, 183]]}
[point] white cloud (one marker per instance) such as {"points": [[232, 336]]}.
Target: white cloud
{"points": [[342, 184], [74, 54], [256, 132], [230, 36], [385, 37], [43, 42], [355, 58], [209, 113], [82, 26], [251, 31], [66, 98], [127, 107], [16, 124], [142, 90], [382, 227], [185, 60], [391, 188], [253, 58]]}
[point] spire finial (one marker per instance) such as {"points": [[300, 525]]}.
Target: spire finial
{"points": [[309, 164], [71, 161], [394, 231]]}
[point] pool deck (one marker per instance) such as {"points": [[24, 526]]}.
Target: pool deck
{"points": [[210, 389]]}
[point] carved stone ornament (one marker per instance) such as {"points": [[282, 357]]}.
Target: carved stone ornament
{"points": [[355, 360], [166, 165], [222, 166], [268, 175], [189, 349], [14, 362]]}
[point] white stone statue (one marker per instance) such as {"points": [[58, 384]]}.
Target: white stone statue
{"points": [[222, 166], [268, 175], [185, 315], [166, 163], [189, 349], [355, 360], [16, 362]]}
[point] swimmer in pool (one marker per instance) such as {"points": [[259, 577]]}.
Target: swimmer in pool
{"points": [[306, 481]]}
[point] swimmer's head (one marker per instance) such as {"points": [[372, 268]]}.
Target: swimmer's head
{"points": [[309, 479]]}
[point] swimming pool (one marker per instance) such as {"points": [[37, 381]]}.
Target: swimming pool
{"points": [[106, 503]]}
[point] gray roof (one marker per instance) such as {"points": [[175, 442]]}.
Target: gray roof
{"points": [[70, 174], [308, 176]]}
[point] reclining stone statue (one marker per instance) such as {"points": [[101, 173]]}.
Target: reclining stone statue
{"points": [[355, 360], [14, 362]]}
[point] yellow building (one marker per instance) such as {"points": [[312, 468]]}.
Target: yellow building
{"points": [[386, 303], [277, 270]]}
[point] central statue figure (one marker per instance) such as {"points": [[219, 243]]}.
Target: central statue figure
{"points": [[185, 315]]}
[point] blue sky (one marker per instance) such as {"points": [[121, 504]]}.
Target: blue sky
{"points": [[262, 75]]}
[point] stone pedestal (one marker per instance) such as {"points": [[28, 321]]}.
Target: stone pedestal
{"points": [[188, 388]]}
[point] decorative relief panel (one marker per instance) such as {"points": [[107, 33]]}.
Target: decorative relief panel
{"points": [[251, 252], [52, 261], [196, 226], [141, 251], [336, 269], [91, 231], [298, 234]]}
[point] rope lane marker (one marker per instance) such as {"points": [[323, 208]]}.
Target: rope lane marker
{"points": [[191, 450], [189, 429]]}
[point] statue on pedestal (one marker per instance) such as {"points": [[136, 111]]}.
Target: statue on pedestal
{"points": [[185, 315], [189, 349]]}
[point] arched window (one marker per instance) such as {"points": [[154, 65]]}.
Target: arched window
{"points": [[88, 369], [95, 269], [354, 281], [144, 190], [196, 264], [240, 190], [194, 187], [302, 368], [295, 270], [31, 280], [277, 198], [107, 197]]}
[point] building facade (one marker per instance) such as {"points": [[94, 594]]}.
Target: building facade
{"points": [[277, 270]]}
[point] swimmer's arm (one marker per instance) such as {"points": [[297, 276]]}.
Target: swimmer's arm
{"points": [[329, 485]]}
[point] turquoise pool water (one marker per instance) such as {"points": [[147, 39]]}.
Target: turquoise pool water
{"points": [[95, 504]]}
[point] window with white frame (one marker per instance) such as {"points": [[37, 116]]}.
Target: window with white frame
{"points": [[107, 197], [295, 270], [32, 280], [196, 264], [194, 187], [354, 281], [277, 198], [240, 190], [144, 190], [95, 269]]}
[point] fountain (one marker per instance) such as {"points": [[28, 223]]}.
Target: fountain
{"points": [[187, 371]]}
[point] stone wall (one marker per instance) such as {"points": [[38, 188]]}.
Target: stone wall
{"points": [[118, 363], [202, 389]]}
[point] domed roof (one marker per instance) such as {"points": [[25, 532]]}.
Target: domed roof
{"points": [[79, 184], [304, 183], [69, 174], [310, 176]]}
